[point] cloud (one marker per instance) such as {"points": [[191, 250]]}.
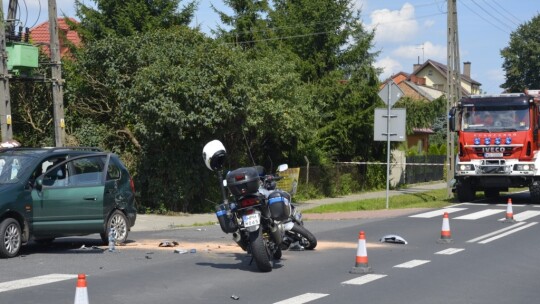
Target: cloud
{"points": [[394, 26], [430, 51], [390, 66], [429, 23]]}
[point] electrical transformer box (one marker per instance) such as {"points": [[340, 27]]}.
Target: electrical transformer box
{"points": [[22, 56]]}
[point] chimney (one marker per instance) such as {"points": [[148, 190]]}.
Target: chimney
{"points": [[467, 69], [416, 66]]}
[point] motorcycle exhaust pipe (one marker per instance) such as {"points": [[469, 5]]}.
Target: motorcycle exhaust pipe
{"points": [[238, 239], [277, 233]]}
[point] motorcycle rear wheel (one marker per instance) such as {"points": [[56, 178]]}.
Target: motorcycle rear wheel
{"points": [[307, 239], [260, 250]]}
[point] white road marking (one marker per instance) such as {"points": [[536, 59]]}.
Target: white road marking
{"points": [[523, 216], [450, 251], [436, 213], [364, 279], [35, 281], [479, 214], [507, 233], [513, 205], [495, 232], [412, 264], [304, 298]]}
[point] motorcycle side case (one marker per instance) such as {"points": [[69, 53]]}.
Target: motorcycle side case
{"points": [[225, 220], [243, 181], [279, 203]]}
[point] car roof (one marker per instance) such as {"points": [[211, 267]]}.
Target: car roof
{"points": [[50, 151]]}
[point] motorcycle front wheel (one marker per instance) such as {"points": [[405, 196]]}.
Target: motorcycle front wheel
{"points": [[260, 250], [306, 238]]}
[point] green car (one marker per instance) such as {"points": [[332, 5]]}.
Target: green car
{"points": [[46, 193]]}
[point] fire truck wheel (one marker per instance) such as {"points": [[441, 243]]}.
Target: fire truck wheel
{"points": [[534, 190], [465, 192]]}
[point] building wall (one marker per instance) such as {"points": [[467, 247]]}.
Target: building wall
{"points": [[433, 77], [413, 139], [438, 81]]}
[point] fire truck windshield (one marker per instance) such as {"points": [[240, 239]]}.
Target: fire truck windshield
{"points": [[495, 119]]}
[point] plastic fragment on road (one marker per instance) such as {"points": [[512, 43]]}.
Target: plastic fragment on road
{"points": [[168, 244], [394, 239]]}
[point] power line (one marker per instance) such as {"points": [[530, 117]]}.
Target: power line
{"points": [[509, 13], [487, 12], [499, 12], [483, 18]]}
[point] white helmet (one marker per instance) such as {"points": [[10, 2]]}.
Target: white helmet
{"points": [[214, 155]]}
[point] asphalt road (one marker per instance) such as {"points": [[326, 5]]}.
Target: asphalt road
{"points": [[489, 261]]}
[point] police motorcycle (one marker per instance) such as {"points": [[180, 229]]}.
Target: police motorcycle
{"points": [[255, 225], [296, 235]]}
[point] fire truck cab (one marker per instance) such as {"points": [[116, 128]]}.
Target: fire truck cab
{"points": [[498, 142]]}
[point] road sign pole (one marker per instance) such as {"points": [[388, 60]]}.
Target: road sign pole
{"points": [[388, 145]]}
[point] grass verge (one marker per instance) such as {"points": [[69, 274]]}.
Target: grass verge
{"points": [[430, 199]]}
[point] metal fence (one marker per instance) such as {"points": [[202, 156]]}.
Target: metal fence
{"points": [[420, 169]]}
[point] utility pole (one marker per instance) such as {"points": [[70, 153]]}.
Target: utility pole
{"points": [[5, 100], [56, 73], [453, 77]]}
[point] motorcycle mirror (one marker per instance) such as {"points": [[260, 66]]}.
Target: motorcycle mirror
{"points": [[282, 167]]}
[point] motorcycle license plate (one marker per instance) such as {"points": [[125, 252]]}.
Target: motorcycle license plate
{"points": [[251, 219]]}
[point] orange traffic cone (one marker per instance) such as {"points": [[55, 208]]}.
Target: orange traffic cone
{"points": [[509, 213], [81, 293], [446, 235], [361, 265]]}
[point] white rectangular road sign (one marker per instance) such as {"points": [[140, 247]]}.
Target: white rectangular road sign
{"points": [[397, 125]]}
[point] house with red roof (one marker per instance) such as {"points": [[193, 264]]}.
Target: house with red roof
{"points": [[39, 35]]}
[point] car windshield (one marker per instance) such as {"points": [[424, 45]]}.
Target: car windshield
{"points": [[495, 119], [12, 167]]}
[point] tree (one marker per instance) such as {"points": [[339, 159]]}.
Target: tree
{"points": [[127, 17], [248, 25], [157, 97], [522, 57]]}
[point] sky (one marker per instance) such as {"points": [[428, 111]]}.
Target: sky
{"points": [[406, 32]]}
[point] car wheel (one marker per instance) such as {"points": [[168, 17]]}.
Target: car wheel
{"points": [[118, 222], [10, 231]]}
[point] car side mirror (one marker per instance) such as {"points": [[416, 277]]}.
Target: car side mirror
{"points": [[39, 183]]}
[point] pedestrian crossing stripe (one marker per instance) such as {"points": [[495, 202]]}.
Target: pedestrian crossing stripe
{"points": [[436, 213], [35, 281], [479, 214], [523, 216]]}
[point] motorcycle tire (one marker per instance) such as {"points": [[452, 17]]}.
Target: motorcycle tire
{"points": [[307, 239], [278, 254], [260, 250]]}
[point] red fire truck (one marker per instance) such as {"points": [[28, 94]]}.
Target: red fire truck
{"points": [[498, 144]]}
